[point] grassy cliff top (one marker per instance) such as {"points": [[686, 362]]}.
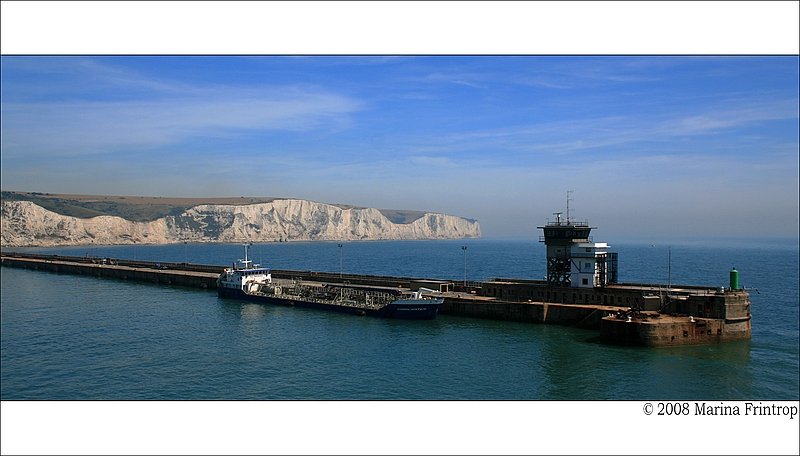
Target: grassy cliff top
{"points": [[134, 208], [148, 208]]}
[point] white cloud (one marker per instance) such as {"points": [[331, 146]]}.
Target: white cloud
{"points": [[96, 127], [440, 162], [566, 137], [95, 107], [465, 79]]}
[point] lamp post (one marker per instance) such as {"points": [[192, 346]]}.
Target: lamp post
{"points": [[464, 248], [341, 261], [669, 268], [185, 254]]}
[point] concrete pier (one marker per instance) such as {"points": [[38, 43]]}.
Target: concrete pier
{"points": [[152, 273], [458, 303], [581, 315], [680, 316]]}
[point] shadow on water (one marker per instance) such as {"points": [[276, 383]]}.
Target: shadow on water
{"points": [[579, 367], [735, 352], [245, 310]]}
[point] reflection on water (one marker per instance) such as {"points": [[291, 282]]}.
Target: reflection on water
{"points": [[251, 312], [734, 353]]}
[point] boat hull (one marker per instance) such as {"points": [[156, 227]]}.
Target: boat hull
{"points": [[405, 309]]}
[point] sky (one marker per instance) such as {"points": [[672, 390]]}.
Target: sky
{"points": [[267, 99], [650, 146]]}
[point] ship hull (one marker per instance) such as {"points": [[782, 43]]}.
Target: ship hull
{"points": [[405, 309]]}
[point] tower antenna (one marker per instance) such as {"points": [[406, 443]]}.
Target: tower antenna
{"points": [[569, 197]]}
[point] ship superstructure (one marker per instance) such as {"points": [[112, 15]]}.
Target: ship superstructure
{"points": [[249, 281]]}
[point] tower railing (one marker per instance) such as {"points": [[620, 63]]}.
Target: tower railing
{"points": [[583, 224], [589, 238]]}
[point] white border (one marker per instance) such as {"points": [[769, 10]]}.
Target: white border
{"points": [[460, 427], [429, 27], [401, 427]]}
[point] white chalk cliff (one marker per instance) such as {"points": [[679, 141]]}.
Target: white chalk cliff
{"points": [[27, 224]]}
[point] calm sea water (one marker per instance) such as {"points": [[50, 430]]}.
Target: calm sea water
{"points": [[82, 338]]}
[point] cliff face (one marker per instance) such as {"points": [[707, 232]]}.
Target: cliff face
{"points": [[24, 223]]}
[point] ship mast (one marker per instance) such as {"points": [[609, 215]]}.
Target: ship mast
{"points": [[246, 262]]}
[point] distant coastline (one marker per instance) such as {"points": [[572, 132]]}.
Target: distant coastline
{"points": [[42, 220]]}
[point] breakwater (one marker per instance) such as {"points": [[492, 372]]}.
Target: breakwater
{"points": [[459, 299], [629, 314], [141, 271]]}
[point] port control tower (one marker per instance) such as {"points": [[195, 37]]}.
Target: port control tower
{"points": [[573, 259]]}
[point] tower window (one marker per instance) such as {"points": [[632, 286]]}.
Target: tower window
{"points": [[586, 281]]}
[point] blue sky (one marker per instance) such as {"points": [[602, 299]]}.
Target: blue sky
{"points": [[654, 147]]}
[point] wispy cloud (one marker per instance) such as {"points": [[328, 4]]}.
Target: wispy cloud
{"points": [[465, 79], [84, 78], [555, 138], [439, 162], [96, 107], [95, 127], [558, 73], [730, 115]]}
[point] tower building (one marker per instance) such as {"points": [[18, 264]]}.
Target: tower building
{"points": [[573, 259]]}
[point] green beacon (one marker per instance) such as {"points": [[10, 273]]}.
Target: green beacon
{"points": [[734, 279]]}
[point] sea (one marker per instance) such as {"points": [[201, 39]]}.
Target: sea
{"points": [[101, 366], [78, 338]]}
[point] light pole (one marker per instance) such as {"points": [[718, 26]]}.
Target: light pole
{"points": [[341, 261], [464, 248], [185, 254], [669, 268]]}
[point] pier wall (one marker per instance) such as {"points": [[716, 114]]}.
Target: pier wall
{"points": [[204, 276], [583, 316], [668, 331], [687, 315], [192, 279], [538, 290]]}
